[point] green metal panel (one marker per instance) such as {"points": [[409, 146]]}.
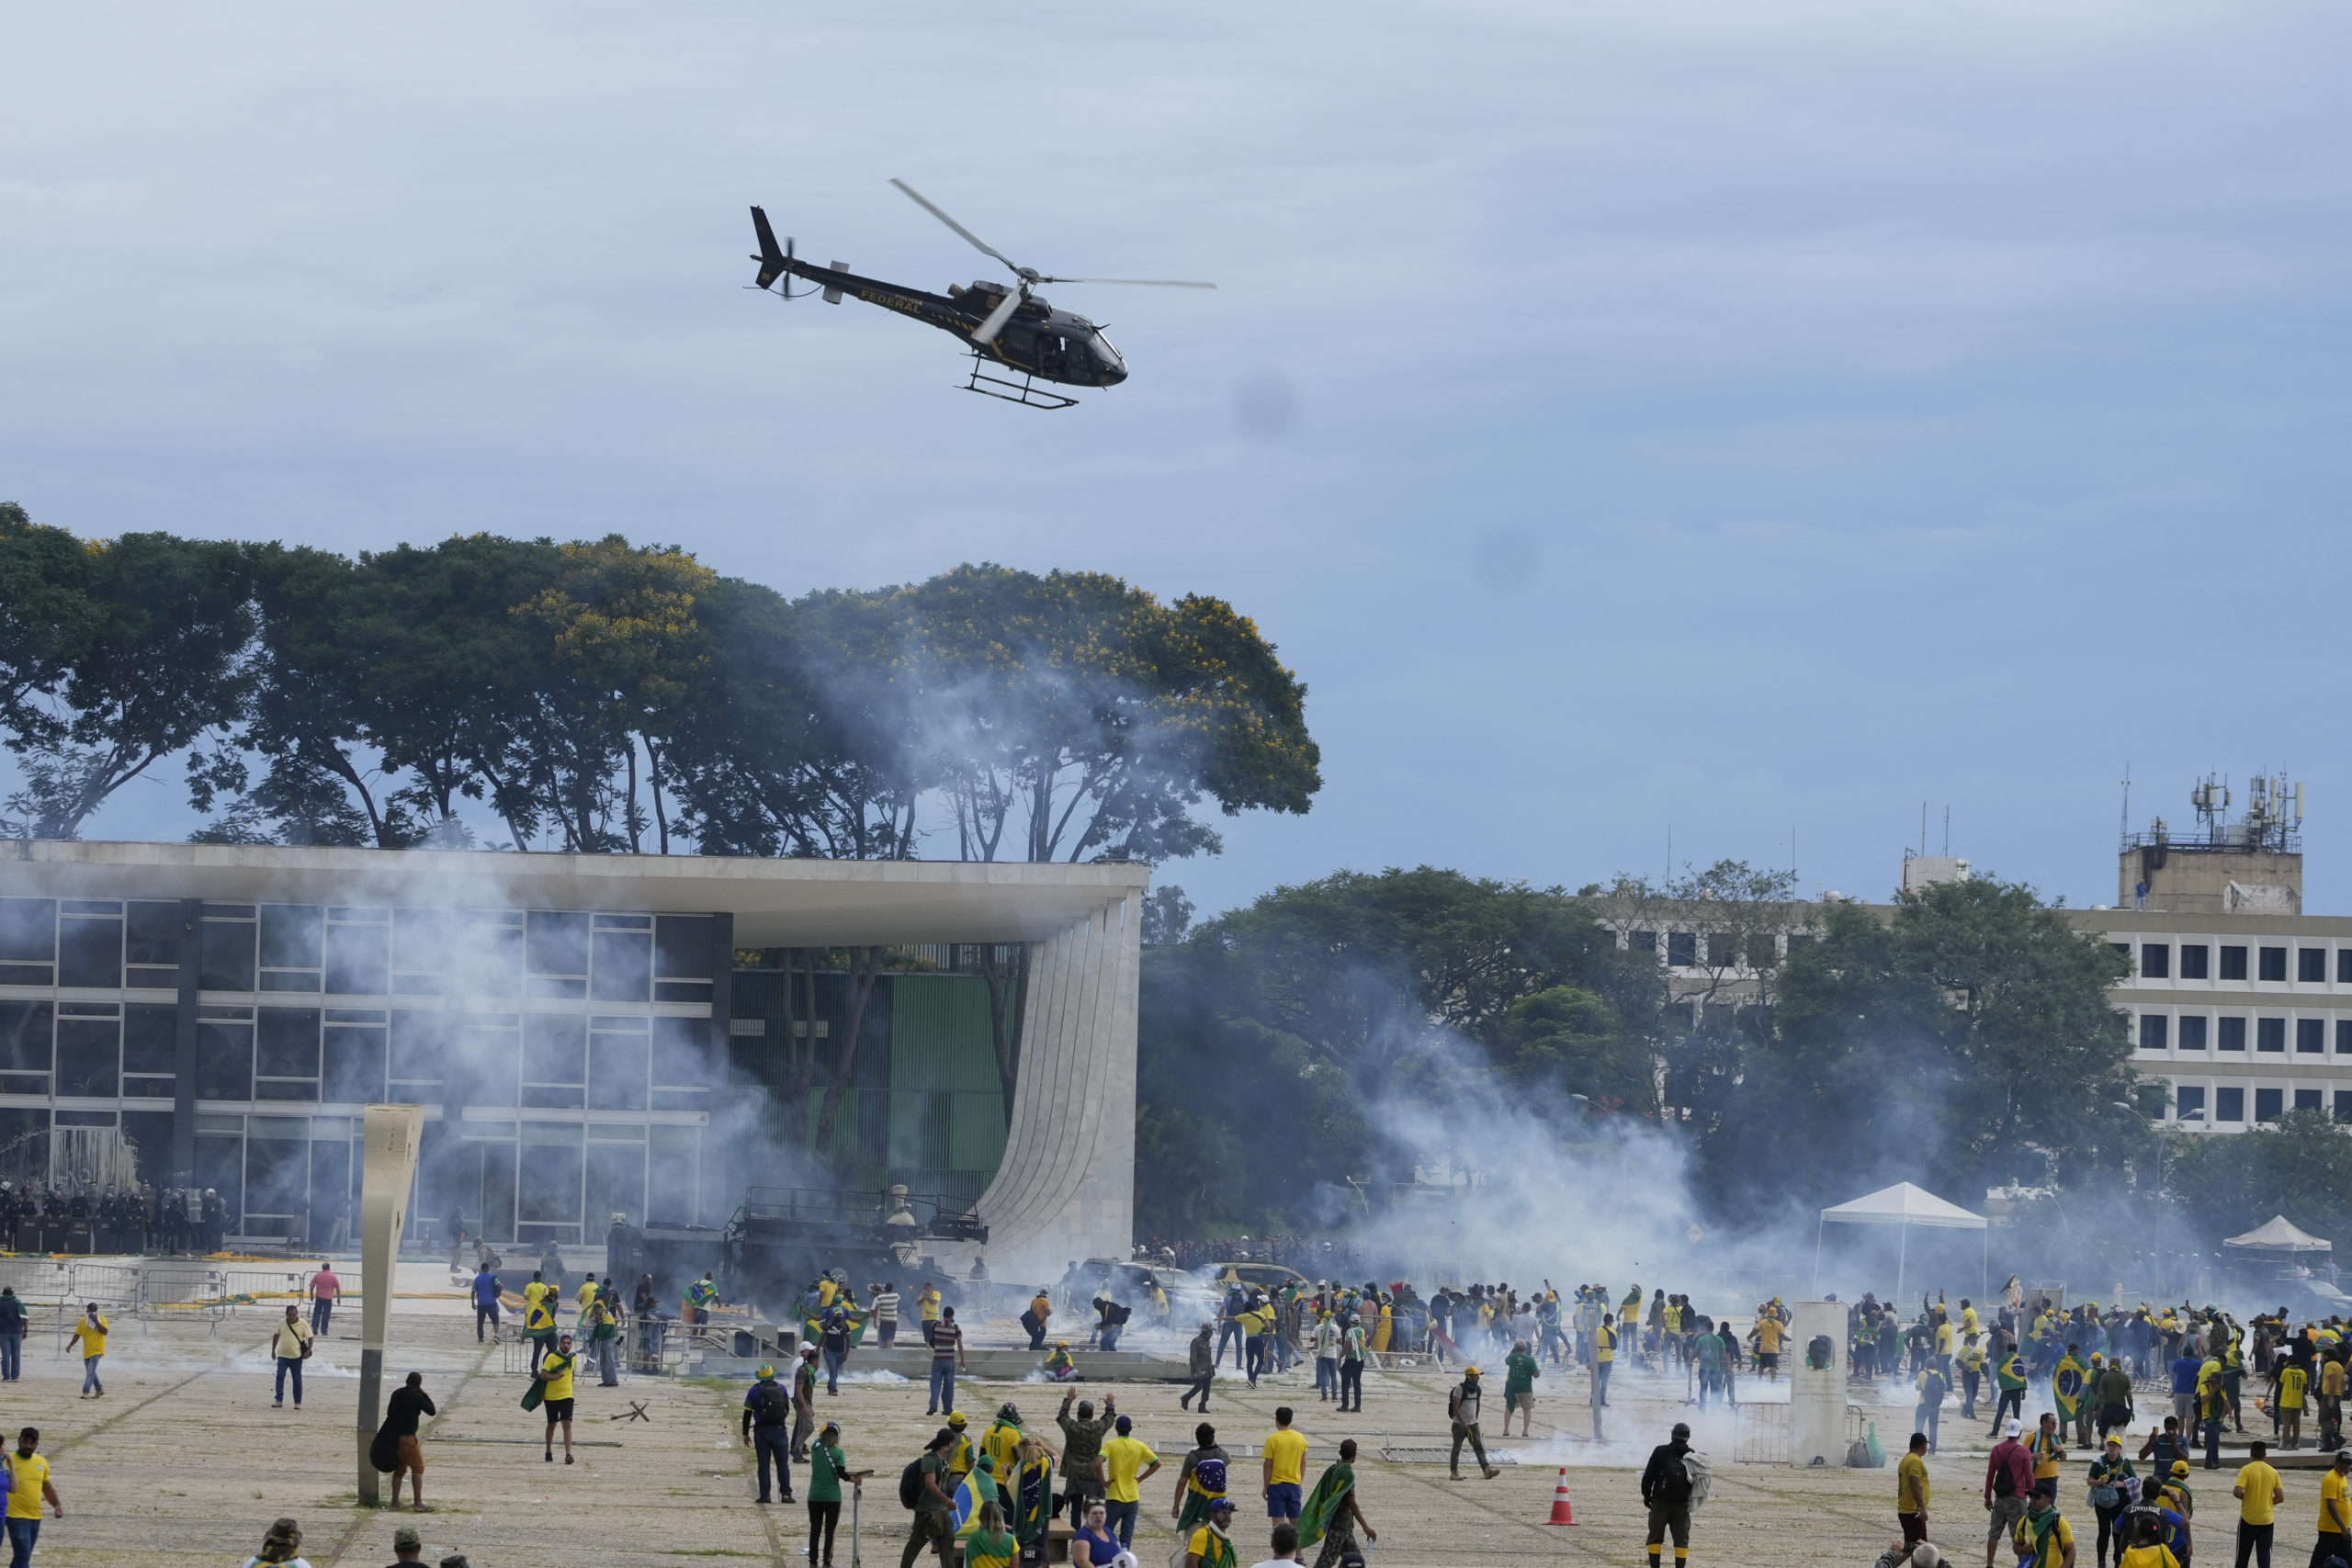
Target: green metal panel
{"points": [[919, 1124], [939, 1034], [976, 1131]]}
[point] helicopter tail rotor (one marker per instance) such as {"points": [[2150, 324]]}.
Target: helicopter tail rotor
{"points": [[773, 259]]}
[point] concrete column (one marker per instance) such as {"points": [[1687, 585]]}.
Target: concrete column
{"points": [[387, 1171], [183, 1172]]}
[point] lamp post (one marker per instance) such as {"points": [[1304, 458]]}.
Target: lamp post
{"points": [[2156, 1247]]}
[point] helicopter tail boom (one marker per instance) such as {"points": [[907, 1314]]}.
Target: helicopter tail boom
{"points": [[773, 262]]}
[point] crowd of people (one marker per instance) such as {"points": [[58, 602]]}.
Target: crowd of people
{"points": [[171, 1220]]}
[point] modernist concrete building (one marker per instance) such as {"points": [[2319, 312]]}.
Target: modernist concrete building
{"points": [[570, 1022]]}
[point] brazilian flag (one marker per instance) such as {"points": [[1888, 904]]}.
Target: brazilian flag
{"points": [[2068, 1386], [812, 1324]]}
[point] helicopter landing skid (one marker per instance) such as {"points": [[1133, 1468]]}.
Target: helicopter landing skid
{"points": [[1024, 392]]}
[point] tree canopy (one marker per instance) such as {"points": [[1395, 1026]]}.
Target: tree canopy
{"points": [[606, 697]]}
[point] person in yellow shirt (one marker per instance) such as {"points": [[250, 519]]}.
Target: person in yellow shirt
{"points": [[2292, 1381], [2048, 1449], [2258, 1494], [1911, 1491], [990, 1545], [554, 1371], [2148, 1550], [29, 1487], [2336, 1510], [1211, 1546], [1285, 1469], [2043, 1538], [539, 1312], [2331, 1401], [1768, 1345], [1126, 1463], [91, 1332], [587, 1295]]}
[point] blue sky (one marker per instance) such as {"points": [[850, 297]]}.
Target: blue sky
{"points": [[1744, 417]]}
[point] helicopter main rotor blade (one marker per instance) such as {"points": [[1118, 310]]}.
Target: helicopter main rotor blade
{"points": [[974, 240], [1133, 282], [997, 318]]}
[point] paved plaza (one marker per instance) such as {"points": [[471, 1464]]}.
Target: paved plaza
{"points": [[184, 1460]]}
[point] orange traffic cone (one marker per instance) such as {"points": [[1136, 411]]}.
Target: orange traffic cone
{"points": [[1561, 1513]]}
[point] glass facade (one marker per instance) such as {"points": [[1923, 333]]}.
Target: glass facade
{"points": [[567, 1058]]}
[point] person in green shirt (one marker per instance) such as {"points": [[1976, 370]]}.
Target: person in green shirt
{"points": [[1519, 1372], [934, 1519], [828, 1468]]}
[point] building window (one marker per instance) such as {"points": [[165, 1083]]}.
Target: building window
{"points": [[2153, 1029], [2192, 960], [2344, 966], [2268, 1103], [2311, 1035], [2155, 960], [2189, 1102], [1644, 941], [2270, 1034], [2274, 964], [2307, 1100], [2344, 1105], [2233, 1033], [2344, 1036], [1682, 949], [2232, 963], [1723, 950], [2311, 966], [2229, 1105], [2192, 1032]]}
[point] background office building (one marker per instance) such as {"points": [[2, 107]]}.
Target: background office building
{"points": [[591, 1035]]}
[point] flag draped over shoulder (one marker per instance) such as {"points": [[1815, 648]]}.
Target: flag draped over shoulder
{"points": [[812, 1325], [1325, 1502]]}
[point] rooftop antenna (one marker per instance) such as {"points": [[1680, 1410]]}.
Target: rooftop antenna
{"points": [[1947, 832], [2126, 804], [1792, 851], [1923, 829]]}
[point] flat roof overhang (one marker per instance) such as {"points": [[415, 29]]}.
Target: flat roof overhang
{"points": [[776, 902]]}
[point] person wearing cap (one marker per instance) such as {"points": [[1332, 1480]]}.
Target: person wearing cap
{"points": [[2336, 1510], [1058, 1365], [280, 1545], [934, 1520], [1666, 1493], [1126, 1462], [2041, 1537], [554, 1369], [959, 1452], [2110, 1495], [1211, 1546], [1462, 1406], [2258, 1493], [1082, 1447], [828, 1468], [767, 1430], [2009, 1480], [407, 1546], [1200, 1362]]}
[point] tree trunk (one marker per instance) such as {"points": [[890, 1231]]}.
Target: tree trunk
{"points": [[864, 969], [1007, 987]]}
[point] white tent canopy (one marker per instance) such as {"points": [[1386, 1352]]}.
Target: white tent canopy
{"points": [[1906, 1205], [2279, 1235]]}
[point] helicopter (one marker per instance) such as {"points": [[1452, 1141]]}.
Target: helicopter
{"points": [[1011, 331]]}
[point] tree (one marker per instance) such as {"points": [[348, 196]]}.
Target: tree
{"points": [[165, 663], [2300, 1165], [48, 614], [1362, 992], [1969, 1041]]}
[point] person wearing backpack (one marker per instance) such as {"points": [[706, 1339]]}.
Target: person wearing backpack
{"points": [[767, 1430], [2009, 1480], [923, 1487], [1200, 1481], [1666, 1492], [1461, 1409]]}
